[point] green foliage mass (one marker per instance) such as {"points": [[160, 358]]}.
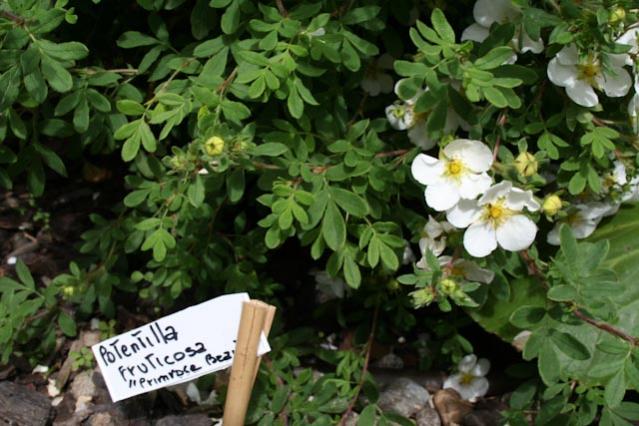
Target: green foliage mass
{"points": [[242, 135]]}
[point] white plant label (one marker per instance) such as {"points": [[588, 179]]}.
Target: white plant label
{"points": [[174, 349]]}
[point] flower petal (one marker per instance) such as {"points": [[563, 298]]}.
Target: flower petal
{"points": [[568, 55], [495, 192], [561, 75], [475, 154], [463, 213], [530, 45], [472, 271], [517, 199], [553, 235], [426, 169], [516, 233], [482, 368], [467, 363], [475, 32], [442, 195], [471, 186], [617, 85], [487, 12], [418, 135], [480, 239], [478, 388], [582, 94]]}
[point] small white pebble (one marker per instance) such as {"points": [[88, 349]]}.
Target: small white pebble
{"points": [[12, 260], [95, 323], [401, 340], [52, 389], [40, 369]]}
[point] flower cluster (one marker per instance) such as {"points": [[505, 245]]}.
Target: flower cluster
{"points": [[458, 183]]}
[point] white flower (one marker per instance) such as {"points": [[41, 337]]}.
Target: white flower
{"points": [[632, 193], [400, 115], [433, 238], [408, 256], [581, 76], [461, 268], [486, 13], [376, 80], [460, 173], [496, 219], [418, 134], [470, 381], [584, 220], [327, 287], [630, 38]]}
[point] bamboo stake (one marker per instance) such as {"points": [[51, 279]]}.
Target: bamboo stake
{"points": [[244, 362], [268, 323]]}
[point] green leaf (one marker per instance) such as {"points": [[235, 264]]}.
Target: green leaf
{"points": [[51, 159], [67, 324], [367, 416], [135, 198], [231, 18], [270, 149], [352, 272], [235, 185], [442, 27], [333, 227], [56, 75], [548, 363], [69, 51], [495, 97], [131, 39], [615, 389], [569, 345], [295, 103], [130, 107], [24, 275], [130, 148], [349, 201], [495, 58], [9, 87], [359, 15], [562, 293], [196, 192], [526, 317], [81, 116]]}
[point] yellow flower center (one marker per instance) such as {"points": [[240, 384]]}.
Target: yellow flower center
{"points": [[496, 213], [399, 112], [466, 378], [454, 168], [589, 71]]}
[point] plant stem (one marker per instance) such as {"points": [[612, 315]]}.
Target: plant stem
{"points": [[360, 384], [396, 153], [608, 328], [12, 17], [281, 8]]}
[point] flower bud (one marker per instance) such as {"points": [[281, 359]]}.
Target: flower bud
{"points": [[526, 164], [551, 205], [214, 146], [448, 286], [422, 297], [618, 14]]}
